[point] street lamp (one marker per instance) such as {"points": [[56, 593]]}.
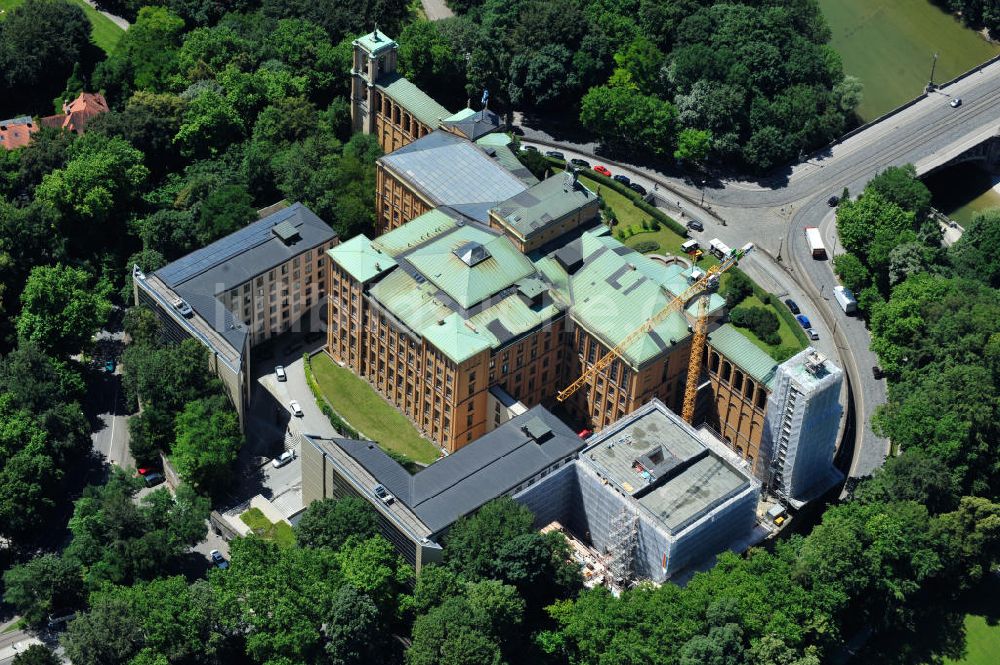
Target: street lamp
{"points": [[930, 85]]}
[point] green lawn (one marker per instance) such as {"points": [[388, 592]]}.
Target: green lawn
{"points": [[982, 642], [356, 401], [889, 45], [790, 342], [281, 533], [104, 32]]}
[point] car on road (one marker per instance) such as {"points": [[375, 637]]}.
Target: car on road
{"points": [[555, 154], [603, 170], [811, 333], [695, 225], [623, 179], [295, 408], [803, 321], [529, 148], [279, 372], [153, 479], [792, 307], [383, 495], [833, 201], [877, 372], [956, 102], [283, 459], [582, 163], [637, 188], [219, 560]]}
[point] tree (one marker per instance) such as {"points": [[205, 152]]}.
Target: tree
{"points": [[912, 476], [852, 271], [44, 585], [354, 629], [209, 126], [428, 59], [723, 645], [693, 145], [971, 537], [900, 185], [541, 77], [207, 442], [224, 211], [167, 377], [36, 654], [450, 635], [142, 326], [145, 57], [976, 255], [737, 288], [624, 118], [148, 122], [61, 309], [871, 227], [330, 522], [473, 541]]}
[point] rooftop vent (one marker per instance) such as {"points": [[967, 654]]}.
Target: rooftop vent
{"points": [[815, 363], [536, 429], [286, 232], [472, 253]]}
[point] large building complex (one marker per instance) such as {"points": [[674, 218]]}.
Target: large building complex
{"points": [[265, 279], [423, 507], [803, 417]]}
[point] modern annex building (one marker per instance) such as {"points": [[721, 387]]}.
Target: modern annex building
{"points": [[516, 455], [267, 278]]}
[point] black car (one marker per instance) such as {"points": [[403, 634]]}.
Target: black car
{"points": [[555, 154], [637, 188], [582, 163], [153, 479], [529, 148], [792, 306], [833, 201], [695, 225], [623, 179], [877, 372]]}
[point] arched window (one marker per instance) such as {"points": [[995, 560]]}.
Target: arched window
{"points": [[750, 386], [727, 368], [738, 381], [713, 362], [761, 401]]}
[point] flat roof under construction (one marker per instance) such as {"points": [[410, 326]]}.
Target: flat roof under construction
{"points": [[655, 457]]}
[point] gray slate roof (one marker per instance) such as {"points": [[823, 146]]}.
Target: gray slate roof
{"points": [[474, 475], [204, 274], [451, 170]]}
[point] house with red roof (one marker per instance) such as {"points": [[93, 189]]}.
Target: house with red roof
{"points": [[77, 113], [16, 132]]}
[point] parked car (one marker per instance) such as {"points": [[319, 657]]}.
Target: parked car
{"points": [[146, 470], [833, 201], [153, 479], [811, 333], [792, 307], [383, 495], [637, 188], [219, 560], [555, 154], [695, 225], [603, 170], [582, 163], [181, 306], [295, 408], [279, 372], [623, 179], [877, 372], [955, 103], [109, 366], [529, 148], [283, 459], [803, 321]]}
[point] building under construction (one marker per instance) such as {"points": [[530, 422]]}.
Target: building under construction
{"points": [[650, 497]]}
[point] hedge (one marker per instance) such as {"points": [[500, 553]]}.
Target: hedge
{"points": [[338, 423]]}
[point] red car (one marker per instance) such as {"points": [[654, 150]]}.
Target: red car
{"points": [[603, 170]]}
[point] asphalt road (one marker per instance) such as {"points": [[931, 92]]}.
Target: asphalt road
{"points": [[774, 212]]}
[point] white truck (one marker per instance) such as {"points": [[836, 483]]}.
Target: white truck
{"points": [[846, 299], [719, 248], [815, 241]]}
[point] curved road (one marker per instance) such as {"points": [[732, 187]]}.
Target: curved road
{"points": [[774, 213]]}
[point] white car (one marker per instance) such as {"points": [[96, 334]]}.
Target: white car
{"points": [[295, 408], [956, 102], [383, 495], [812, 333], [283, 459], [279, 372]]}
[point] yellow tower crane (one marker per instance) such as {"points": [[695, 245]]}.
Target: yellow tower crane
{"points": [[694, 364], [709, 280]]}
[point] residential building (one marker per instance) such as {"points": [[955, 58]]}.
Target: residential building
{"points": [[265, 279], [800, 432], [78, 113], [516, 455], [16, 132]]}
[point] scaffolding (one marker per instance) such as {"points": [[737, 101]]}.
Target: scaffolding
{"points": [[622, 538]]}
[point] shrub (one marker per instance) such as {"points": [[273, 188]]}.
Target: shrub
{"points": [[761, 322], [646, 246], [738, 288], [621, 234], [645, 224]]}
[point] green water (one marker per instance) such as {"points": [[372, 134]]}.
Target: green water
{"points": [[963, 190], [890, 45]]}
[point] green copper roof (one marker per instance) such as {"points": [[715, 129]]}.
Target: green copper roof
{"points": [[416, 231], [413, 99], [546, 203], [731, 343], [361, 259], [440, 262], [375, 42], [461, 115]]}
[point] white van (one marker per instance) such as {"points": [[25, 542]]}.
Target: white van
{"points": [[689, 246], [846, 299]]}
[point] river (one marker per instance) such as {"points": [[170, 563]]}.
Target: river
{"points": [[964, 190]]}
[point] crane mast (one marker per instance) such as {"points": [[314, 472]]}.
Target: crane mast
{"points": [[709, 280], [694, 364]]}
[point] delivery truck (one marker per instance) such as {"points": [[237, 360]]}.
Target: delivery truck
{"points": [[719, 248], [845, 299], [815, 241]]}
